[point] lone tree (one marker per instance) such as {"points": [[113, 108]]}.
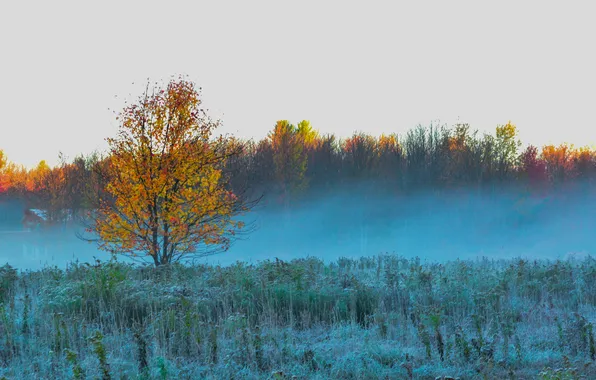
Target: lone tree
{"points": [[166, 196]]}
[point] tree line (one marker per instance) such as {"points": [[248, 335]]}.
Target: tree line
{"points": [[295, 160], [168, 185]]}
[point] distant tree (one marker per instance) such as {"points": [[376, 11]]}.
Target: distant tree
{"points": [[2, 160], [309, 136], [16, 178], [390, 160], [360, 160], [584, 161], [437, 155], [4, 184], [506, 149], [489, 164], [52, 194], [559, 162], [101, 173], [360, 156], [325, 166], [166, 196], [77, 179], [532, 169], [263, 166], [289, 158], [312, 142], [36, 176], [239, 167], [463, 152], [417, 148]]}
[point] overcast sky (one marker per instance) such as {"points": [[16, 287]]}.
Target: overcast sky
{"points": [[345, 66]]}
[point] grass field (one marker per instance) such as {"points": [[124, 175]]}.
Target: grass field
{"points": [[383, 317]]}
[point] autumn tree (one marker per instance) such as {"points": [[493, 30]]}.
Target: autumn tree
{"points": [[308, 135], [360, 155], [52, 194], [38, 192], [463, 155], [167, 198], [2, 159], [559, 162], [15, 178], [289, 158], [35, 177], [507, 145], [584, 160], [311, 142], [4, 184]]}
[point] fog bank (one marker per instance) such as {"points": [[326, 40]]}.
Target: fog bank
{"points": [[347, 224]]}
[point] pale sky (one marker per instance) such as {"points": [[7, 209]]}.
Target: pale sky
{"points": [[345, 66]]}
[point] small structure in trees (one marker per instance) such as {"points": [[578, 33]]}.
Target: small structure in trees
{"points": [[33, 219]]}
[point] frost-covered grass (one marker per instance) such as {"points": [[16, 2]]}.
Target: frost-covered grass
{"points": [[385, 317]]}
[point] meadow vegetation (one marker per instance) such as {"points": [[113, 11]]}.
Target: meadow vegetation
{"points": [[369, 318]]}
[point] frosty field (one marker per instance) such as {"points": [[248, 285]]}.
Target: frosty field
{"points": [[383, 317]]}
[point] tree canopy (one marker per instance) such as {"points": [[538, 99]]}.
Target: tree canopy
{"points": [[166, 196]]}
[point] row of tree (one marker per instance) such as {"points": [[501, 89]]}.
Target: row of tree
{"points": [[167, 188], [295, 159]]}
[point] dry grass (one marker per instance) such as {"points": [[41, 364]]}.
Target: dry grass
{"points": [[380, 317]]}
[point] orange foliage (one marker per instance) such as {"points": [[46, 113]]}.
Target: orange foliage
{"points": [[169, 197], [36, 177], [584, 160], [559, 161], [4, 184], [389, 143], [13, 178]]}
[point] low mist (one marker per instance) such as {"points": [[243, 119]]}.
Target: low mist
{"points": [[434, 227]]}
